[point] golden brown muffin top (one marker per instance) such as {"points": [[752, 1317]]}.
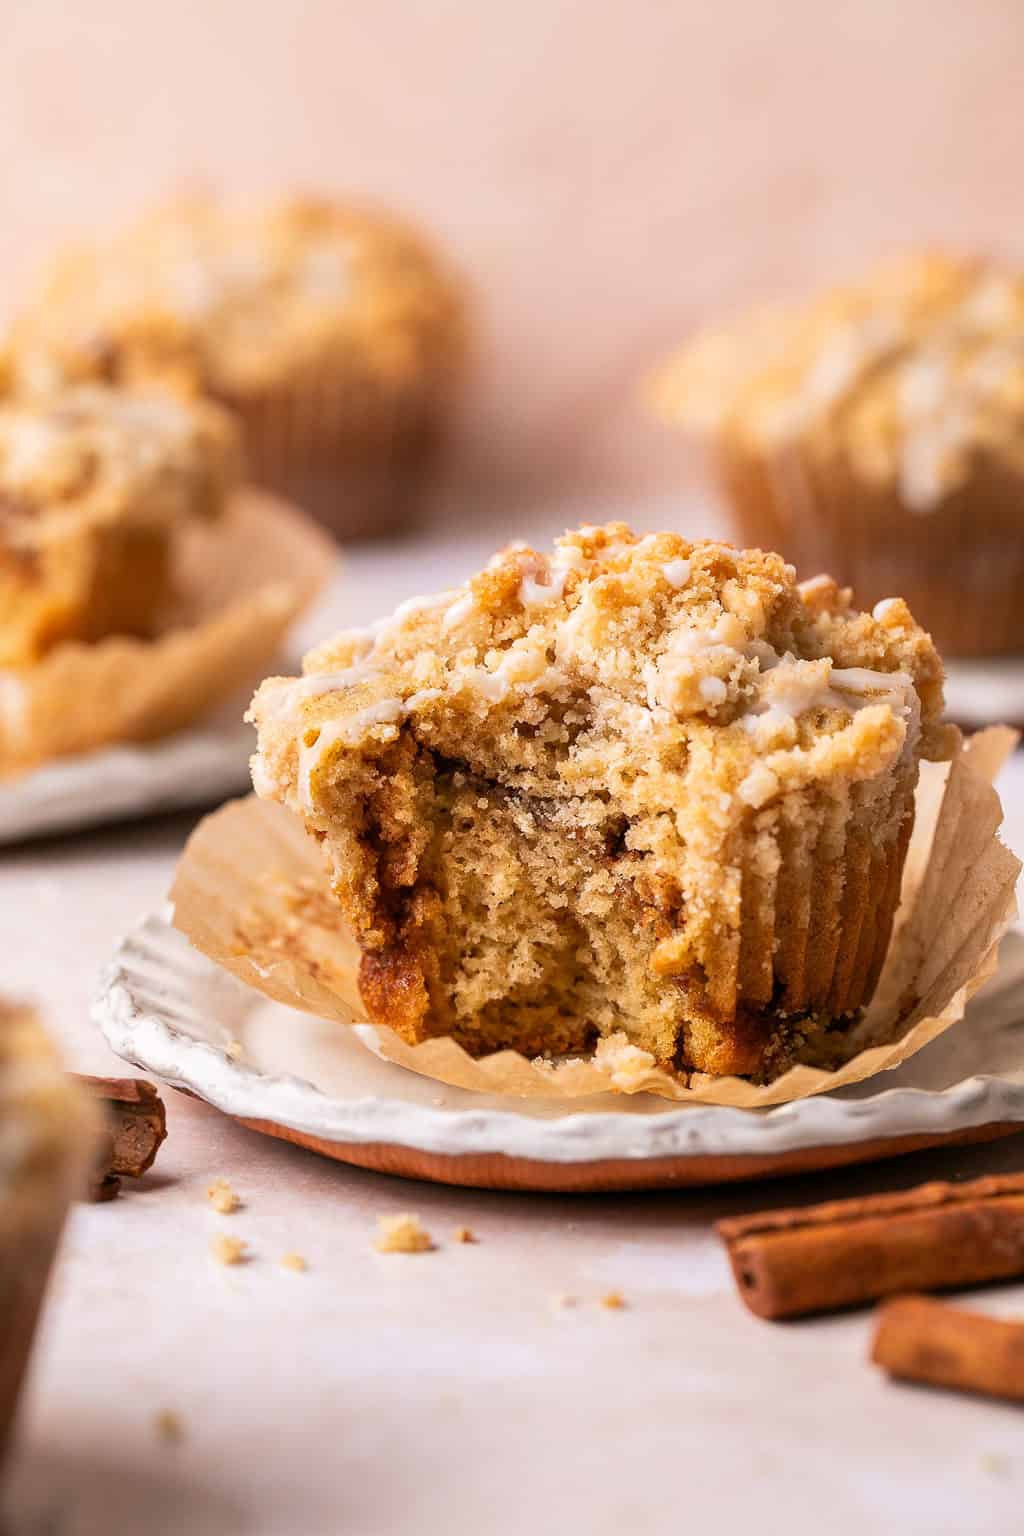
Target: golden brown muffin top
{"points": [[92, 455], [200, 296], [686, 678], [908, 374]]}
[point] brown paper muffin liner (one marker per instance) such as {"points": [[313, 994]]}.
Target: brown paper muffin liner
{"points": [[820, 880], [252, 894], [356, 455], [241, 586], [960, 566], [34, 1198]]}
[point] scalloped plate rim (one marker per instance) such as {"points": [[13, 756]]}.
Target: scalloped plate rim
{"points": [[137, 1032]]}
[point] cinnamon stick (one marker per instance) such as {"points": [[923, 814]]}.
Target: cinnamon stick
{"points": [[847, 1252], [136, 1126], [919, 1339]]}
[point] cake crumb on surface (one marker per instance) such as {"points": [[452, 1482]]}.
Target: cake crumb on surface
{"points": [[228, 1250], [464, 1235], [402, 1234], [294, 1261], [562, 1302], [169, 1426], [222, 1197], [614, 1301], [235, 1049]]}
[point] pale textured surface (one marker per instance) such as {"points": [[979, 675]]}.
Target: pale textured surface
{"points": [[441, 1392]]}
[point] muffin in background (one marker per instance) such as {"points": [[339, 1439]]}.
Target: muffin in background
{"points": [[335, 333], [97, 487], [878, 431], [49, 1134]]}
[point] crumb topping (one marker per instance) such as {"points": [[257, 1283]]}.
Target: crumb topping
{"points": [[909, 374], [295, 1262], [402, 1234], [93, 455], [206, 297], [775, 683]]}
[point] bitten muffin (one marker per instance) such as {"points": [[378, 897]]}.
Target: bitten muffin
{"points": [[96, 488], [334, 333], [638, 785], [49, 1133], [879, 430]]}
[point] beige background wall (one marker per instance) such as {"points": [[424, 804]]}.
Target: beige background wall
{"points": [[605, 172]]}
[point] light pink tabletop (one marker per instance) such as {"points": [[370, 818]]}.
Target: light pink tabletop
{"points": [[608, 173], [445, 1392]]}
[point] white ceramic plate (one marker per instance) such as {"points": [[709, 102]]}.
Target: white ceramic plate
{"points": [[980, 693], [196, 767], [167, 1009]]}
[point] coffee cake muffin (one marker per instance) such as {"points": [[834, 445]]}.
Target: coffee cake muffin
{"points": [[96, 488], [879, 430], [49, 1133], [638, 785], [333, 332]]}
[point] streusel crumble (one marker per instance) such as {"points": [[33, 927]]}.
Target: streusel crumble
{"points": [[635, 787], [879, 426], [96, 486], [334, 332]]}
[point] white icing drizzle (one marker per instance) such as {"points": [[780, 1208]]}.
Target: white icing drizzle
{"points": [[923, 384], [676, 573], [568, 557], [283, 699], [415, 605], [713, 691], [837, 367], [793, 688], [758, 786], [459, 612], [926, 461], [532, 593], [351, 731], [864, 680]]}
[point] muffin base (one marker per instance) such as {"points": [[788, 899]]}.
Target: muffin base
{"points": [[960, 566], [355, 458], [519, 936]]}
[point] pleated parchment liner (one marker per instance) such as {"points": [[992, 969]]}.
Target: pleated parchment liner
{"points": [[242, 583], [251, 893]]}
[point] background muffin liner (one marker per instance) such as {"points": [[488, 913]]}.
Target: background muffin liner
{"points": [[354, 452], [242, 583], [35, 1193], [959, 564], [252, 894]]}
